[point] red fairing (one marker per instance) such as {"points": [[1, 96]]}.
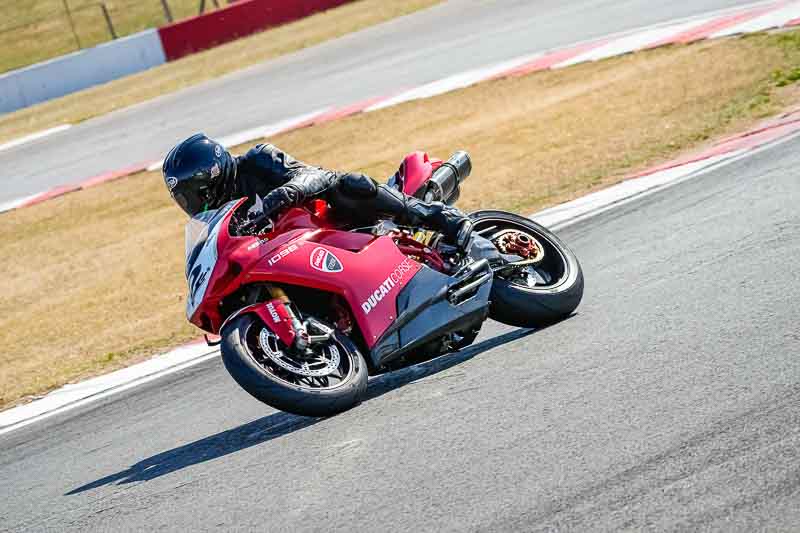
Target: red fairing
{"points": [[415, 170], [368, 272], [238, 255], [369, 279]]}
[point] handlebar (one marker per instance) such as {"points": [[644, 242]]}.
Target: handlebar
{"points": [[265, 220], [259, 223]]}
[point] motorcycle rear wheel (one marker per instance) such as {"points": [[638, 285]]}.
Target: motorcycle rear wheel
{"points": [[557, 286], [268, 377]]}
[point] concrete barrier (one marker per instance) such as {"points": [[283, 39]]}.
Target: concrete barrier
{"points": [[79, 70], [232, 22]]}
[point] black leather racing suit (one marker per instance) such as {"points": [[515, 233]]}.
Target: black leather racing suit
{"points": [[282, 181]]}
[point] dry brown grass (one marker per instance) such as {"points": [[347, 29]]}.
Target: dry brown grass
{"points": [[206, 65], [93, 280]]}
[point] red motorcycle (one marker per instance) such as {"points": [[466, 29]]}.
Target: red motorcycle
{"points": [[307, 308]]}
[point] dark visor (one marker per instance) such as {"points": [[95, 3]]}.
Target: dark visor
{"points": [[193, 202]]}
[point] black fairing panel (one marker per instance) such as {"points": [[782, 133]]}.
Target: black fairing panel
{"points": [[431, 319]]}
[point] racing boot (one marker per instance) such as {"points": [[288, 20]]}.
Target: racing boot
{"points": [[366, 201], [450, 221]]}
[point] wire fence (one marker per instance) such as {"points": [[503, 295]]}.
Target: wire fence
{"points": [[37, 30]]}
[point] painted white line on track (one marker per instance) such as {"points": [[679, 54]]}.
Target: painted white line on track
{"points": [[632, 43], [270, 129], [76, 395], [454, 82], [34, 136], [773, 19], [593, 203], [672, 177], [258, 132], [13, 204]]}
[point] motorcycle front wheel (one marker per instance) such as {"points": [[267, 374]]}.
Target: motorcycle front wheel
{"points": [[541, 293], [330, 380]]}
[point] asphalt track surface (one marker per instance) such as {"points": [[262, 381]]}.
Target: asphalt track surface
{"points": [[671, 400], [423, 47]]}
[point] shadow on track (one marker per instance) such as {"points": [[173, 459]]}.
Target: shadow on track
{"points": [[279, 424]]}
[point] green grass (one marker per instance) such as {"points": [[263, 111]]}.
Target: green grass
{"points": [[36, 30], [790, 45]]}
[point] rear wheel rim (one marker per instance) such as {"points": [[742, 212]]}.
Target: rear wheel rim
{"points": [[331, 366], [551, 272]]}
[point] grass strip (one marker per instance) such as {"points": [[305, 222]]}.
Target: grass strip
{"points": [[94, 280]]}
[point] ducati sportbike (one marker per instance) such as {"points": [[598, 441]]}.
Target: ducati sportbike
{"points": [[307, 308]]}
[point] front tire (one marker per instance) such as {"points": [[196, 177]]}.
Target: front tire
{"points": [[256, 372], [538, 304]]}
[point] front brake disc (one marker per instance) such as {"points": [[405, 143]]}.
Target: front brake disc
{"points": [[325, 359]]}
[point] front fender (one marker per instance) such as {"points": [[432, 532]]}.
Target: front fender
{"points": [[273, 314]]}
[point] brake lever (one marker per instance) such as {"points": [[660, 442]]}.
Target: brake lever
{"points": [[385, 227], [256, 223]]}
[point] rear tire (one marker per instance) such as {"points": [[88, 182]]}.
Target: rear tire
{"points": [[536, 306], [241, 357]]}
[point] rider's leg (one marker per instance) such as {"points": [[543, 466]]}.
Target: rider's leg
{"points": [[367, 200]]}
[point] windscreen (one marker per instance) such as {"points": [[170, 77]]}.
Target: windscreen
{"points": [[197, 234], [201, 252], [198, 229]]}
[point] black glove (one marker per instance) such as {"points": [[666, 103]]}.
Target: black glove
{"points": [[281, 198], [278, 199]]}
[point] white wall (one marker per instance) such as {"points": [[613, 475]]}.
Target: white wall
{"points": [[79, 70]]}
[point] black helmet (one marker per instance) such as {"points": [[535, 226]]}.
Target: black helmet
{"points": [[196, 172]]}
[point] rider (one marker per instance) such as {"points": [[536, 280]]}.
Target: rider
{"points": [[200, 175]]}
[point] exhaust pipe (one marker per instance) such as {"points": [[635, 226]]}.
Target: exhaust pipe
{"points": [[444, 184]]}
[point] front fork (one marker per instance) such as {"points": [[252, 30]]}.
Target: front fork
{"points": [[278, 316], [288, 327]]}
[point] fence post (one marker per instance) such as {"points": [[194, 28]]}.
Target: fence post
{"points": [[202, 7], [72, 24], [167, 12], [108, 21]]}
